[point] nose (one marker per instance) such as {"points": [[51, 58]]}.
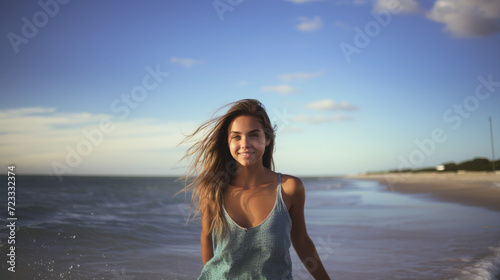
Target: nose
{"points": [[244, 143]]}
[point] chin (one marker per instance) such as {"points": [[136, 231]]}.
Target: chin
{"points": [[246, 163]]}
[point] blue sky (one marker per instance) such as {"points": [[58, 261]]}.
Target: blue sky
{"points": [[92, 87]]}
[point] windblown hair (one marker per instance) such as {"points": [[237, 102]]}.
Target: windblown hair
{"points": [[211, 165]]}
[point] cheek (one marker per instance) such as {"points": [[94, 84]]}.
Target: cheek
{"points": [[262, 146], [233, 146]]}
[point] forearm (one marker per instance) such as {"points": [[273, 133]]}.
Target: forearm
{"points": [[307, 253], [207, 251]]}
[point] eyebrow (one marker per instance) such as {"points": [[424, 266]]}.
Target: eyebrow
{"points": [[253, 131]]}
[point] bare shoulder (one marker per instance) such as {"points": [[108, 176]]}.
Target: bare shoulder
{"points": [[292, 185]]}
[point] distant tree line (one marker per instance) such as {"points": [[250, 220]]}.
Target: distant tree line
{"points": [[476, 164]]}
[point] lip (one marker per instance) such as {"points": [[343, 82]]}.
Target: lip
{"points": [[246, 154]]}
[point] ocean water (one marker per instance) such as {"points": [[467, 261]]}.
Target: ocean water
{"points": [[134, 228]]}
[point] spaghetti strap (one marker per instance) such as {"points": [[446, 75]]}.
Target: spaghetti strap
{"points": [[279, 197]]}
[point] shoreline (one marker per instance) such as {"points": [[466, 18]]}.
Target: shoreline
{"points": [[473, 188]]}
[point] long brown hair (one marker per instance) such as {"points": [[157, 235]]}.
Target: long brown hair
{"points": [[211, 164]]}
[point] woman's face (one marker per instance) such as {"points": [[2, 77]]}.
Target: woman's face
{"points": [[247, 141]]}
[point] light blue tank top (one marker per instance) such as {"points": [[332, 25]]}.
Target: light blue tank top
{"points": [[260, 252]]}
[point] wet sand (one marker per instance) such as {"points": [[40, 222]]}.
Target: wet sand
{"points": [[472, 188]]}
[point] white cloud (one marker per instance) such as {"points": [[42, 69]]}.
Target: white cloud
{"points": [[329, 105], [289, 129], [321, 119], [35, 142], [25, 111], [302, 1], [26, 122], [307, 25], [300, 76], [281, 89], [404, 6], [461, 18], [466, 18], [185, 62]]}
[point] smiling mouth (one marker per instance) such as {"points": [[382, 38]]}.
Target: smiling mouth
{"points": [[247, 154]]}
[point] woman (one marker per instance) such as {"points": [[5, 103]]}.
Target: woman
{"points": [[250, 214]]}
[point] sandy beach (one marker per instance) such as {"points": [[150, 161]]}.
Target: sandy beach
{"points": [[472, 188]]}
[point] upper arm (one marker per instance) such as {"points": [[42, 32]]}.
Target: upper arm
{"points": [[294, 189]]}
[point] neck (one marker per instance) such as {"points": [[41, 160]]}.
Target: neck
{"points": [[248, 176]]}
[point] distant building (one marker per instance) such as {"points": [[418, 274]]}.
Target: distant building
{"points": [[440, 167]]}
